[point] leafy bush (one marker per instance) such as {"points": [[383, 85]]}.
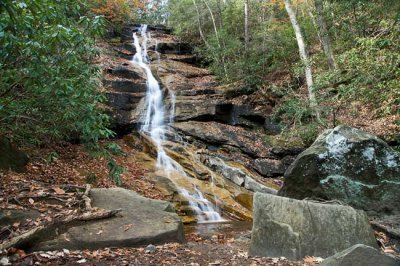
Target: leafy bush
{"points": [[369, 73], [115, 171], [293, 111], [48, 83]]}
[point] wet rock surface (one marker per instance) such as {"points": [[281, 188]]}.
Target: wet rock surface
{"points": [[295, 229], [348, 165]]}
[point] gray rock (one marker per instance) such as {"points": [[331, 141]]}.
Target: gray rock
{"points": [[237, 176], [126, 85], [351, 166], [8, 217], [142, 221], [360, 255], [271, 127], [295, 229], [269, 167], [126, 72], [11, 157], [150, 249], [255, 186], [174, 48]]}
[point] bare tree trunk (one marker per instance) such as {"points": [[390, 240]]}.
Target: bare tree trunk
{"points": [[217, 37], [324, 35], [199, 23], [246, 25], [214, 24], [304, 58]]}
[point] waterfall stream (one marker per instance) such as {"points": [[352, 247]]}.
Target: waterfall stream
{"points": [[153, 124]]}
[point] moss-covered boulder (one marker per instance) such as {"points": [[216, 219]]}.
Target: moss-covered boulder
{"points": [[348, 165]]}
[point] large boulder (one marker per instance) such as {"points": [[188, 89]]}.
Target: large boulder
{"points": [[10, 157], [360, 255], [295, 229], [143, 221], [349, 165]]}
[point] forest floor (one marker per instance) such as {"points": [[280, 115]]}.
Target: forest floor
{"points": [[53, 187]]}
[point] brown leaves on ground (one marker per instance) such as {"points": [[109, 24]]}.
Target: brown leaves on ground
{"points": [[208, 252]]}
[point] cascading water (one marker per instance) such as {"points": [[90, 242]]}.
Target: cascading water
{"points": [[154, 125]]}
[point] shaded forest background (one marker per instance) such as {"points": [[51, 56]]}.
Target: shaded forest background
{"points": [[49, 78]]}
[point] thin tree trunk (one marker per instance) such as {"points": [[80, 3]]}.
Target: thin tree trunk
{"points": [[199, 23], [246, 25], [214, 23], [217, 37], [304, 58], [324, 35]]}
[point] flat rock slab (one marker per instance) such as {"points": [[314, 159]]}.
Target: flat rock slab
{"points": [[295, 229], [142, 221], [360, 255]]}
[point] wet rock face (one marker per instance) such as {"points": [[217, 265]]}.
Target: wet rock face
{"points": [[351, 166], [11, 158], [295, 229]]}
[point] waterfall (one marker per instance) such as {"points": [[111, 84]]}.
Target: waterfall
{"points": [[153, 124]]}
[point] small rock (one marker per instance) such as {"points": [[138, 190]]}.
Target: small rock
{"points": [[150, 249], [81, 261], [5, 261]]}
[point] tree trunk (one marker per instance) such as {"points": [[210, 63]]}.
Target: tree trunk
{"points": [[323, 32], [304, 58], [217, 37], [199, 23], [214, 23], [246, 25]]}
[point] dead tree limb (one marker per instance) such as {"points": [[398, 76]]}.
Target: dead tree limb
{"points": [[42, 231]]}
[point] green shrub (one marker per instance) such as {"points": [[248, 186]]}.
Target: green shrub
{"points": [[48, 83]]}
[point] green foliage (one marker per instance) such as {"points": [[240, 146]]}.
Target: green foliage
{"points": [[369, 72], [48, 83], [115, 149], [271, 41], [308, 133], [293, 111], [91, 178], [115, 171], [52, 157]]}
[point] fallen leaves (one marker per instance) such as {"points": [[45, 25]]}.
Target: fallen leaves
{"points": [[127, 227], [59, 191], [311, 261]]}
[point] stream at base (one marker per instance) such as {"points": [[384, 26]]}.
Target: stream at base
{"points": [[228, 228]]}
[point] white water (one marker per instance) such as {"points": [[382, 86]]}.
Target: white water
{"points": [[154, 125]]}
